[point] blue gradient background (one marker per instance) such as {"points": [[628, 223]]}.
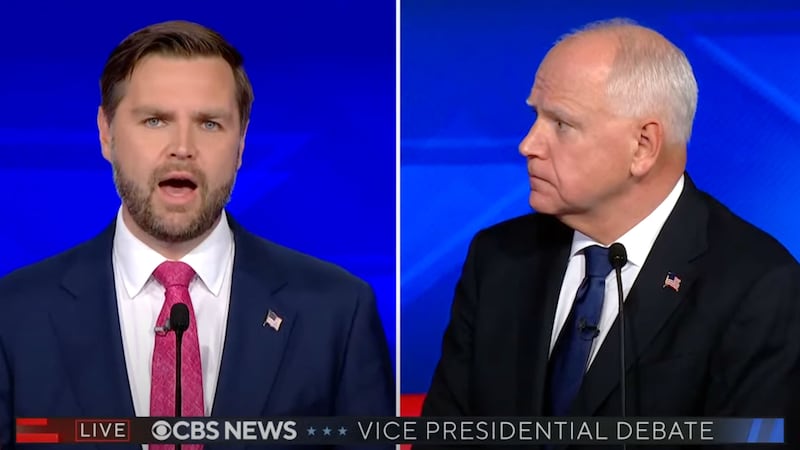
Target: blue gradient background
{"points": [[466, 69], [319, 166]]}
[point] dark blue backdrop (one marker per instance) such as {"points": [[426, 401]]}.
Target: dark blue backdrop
{"points": [[466, 69], [319, 167]]}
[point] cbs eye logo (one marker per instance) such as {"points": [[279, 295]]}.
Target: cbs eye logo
{"points": [[161, 430]]}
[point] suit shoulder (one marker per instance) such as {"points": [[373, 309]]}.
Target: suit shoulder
{"points": [[523, 234], [302, 267], [525, 224], [32, 286], [40, 274], [729, 231]]}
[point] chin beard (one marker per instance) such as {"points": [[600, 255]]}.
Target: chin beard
{"points": [[138, 200]]}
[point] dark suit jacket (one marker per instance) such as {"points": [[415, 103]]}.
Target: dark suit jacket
{"points": [[61, 349], [727, 343]]}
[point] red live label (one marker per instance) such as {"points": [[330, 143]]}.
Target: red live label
{"points": [[99, 430]]}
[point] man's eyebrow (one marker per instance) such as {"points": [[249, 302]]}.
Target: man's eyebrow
{"points": [[552, 111], [149, 111], [223, 114], [557, 114], [206, 114]]}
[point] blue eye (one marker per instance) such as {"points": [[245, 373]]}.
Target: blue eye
{"points": [[210, 125], [153, 122]]}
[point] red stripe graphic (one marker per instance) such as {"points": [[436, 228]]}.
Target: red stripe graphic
{"points": [[411, 404], [37, 438], [32, 422]]}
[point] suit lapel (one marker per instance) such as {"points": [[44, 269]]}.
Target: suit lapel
{"points": [[649, 303], [90, 340], [88, 332], [545, 274], [253, 348]]}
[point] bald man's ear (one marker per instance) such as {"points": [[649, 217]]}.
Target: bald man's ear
{"points": [[650, 142], [104, 129]]}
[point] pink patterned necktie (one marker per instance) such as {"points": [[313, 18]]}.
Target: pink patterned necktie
{"points": [[175, 277]]}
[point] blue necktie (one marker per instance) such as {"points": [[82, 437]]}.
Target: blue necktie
{"points": [[571, 354]]}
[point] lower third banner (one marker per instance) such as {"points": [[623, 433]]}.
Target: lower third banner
{"points": [[402, 430]]}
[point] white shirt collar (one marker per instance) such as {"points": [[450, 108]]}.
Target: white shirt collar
{"points": [[640, 239], [137, 261]]}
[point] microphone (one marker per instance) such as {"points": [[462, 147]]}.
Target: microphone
{"points": [[163, 329], [588, 331], [618, 257], [179, 322]]}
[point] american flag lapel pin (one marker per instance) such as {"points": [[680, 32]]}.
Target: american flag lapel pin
{"points": [[672, 281], [272, 320]]}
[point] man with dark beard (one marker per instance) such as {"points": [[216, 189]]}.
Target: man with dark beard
{"points": [[271, 331]]}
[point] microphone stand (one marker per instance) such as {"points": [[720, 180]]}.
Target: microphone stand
{"points": [[179, 321], [178, 389], [618, 257]]}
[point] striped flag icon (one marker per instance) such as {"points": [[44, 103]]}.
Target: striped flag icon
{"points": [[36, 431]]}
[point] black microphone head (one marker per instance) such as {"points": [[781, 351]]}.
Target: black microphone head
{"points": [[179, 317], [617, 255]]}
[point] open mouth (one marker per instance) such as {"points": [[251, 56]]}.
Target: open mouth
{"points": [[178, 186], [178, 183]]}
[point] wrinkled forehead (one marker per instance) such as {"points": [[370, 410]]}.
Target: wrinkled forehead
{"points": [[592, 53], [201, 79], [578, 66]]}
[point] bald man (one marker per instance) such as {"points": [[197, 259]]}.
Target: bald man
{"points": [[711, 303]]}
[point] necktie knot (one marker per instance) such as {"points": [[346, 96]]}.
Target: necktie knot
{"points": [[174, 273], [597, 262]]}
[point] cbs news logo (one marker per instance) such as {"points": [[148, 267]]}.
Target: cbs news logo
{"points": [[212, 430]]}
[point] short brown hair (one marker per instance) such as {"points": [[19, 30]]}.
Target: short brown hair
{"points": [[174, 38]]}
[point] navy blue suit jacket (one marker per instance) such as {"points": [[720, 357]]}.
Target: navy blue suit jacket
{"points": [[725, 344], [61, 349]]}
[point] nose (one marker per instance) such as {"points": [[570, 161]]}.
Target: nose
{"points": [[533, 144], [183, 143]]}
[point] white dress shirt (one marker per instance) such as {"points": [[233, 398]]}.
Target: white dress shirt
{"points": [[140, 298], [638, 242]]}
